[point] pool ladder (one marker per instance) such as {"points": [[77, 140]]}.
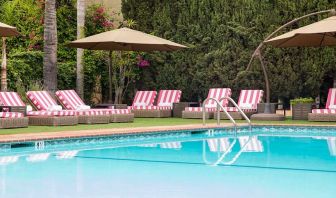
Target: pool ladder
{"points": [[220, 107]]}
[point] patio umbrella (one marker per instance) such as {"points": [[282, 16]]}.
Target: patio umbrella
{"points": [[5, 31], [319, 34], [125, 39]]}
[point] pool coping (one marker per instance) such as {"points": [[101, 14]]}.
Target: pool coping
{"points": [[28, 137]]}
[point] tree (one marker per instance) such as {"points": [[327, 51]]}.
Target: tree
{"points": [[80, 52], [4, 66], [50, 47]]}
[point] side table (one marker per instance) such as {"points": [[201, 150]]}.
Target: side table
{"points": [[179, 107], [110, 106]]}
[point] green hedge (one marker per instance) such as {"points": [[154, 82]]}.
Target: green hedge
{"points": [[222, 36]]}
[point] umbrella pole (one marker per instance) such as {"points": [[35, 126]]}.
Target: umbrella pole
{"points": [[110, 77], [4, 66], [257, 52], [268, 99]]}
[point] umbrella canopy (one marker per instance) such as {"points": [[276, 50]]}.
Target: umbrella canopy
{"points": [[321, 33], [7, 30], [125, 39]]}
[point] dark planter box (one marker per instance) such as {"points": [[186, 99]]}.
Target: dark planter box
{"points": [[300, 111]]}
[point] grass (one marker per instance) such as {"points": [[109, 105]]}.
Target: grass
{"points": [[145, 122]]}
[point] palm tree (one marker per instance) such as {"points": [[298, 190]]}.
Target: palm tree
{"points": [[80, 34], [50, 47], [4, 66]]}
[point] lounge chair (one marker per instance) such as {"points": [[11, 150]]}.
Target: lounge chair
{"points": [[210, 106], [327, 114], [43, 101], [12, 120], [143, 104], [71, 101], [248, 102], [46, 118]]}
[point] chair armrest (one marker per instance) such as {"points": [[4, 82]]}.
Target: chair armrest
{"points": [[19, 109]]}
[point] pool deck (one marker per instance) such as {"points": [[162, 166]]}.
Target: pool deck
{"points": [[26, 137]]}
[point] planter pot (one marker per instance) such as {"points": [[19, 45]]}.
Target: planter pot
{"points": [[300, 111]]}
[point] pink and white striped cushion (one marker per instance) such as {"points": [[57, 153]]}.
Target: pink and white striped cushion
{"points": [[199, 109], [69, 99], [51, 113], [166, 98], [121, 111], [234, 109], [41, 99], [211, 105], [11, 115], [144, 99], [330, 105], [250, 98], [331, 100], [150, 108], [218, 93], [11, 99], [94, 112], [324, 111]]}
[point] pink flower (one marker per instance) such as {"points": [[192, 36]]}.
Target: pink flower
{"points": [[143, 63]]}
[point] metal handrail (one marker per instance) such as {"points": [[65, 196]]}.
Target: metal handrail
{"points": [[219, 106], [239, 110]]}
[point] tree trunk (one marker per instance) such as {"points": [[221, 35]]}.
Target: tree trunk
{"points": [[4, 66], [80, 34], [110, 77], [50, 47]]}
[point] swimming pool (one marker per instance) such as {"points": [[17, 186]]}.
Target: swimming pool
{"points": [[268, 162]]}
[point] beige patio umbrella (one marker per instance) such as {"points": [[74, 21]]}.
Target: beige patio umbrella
{"points": [[5, 31], [321, 33], [125, 39]]}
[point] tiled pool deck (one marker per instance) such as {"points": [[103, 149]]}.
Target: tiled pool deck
{"points": [[24, 137]]}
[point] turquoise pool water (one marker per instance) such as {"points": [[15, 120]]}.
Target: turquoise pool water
{"points": [[269, 162]]}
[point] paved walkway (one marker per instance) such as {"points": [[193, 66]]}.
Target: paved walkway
{"points": [[24, 137], [99, 132]]}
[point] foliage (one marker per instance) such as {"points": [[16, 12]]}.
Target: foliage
{"points": [[25, 56], [301, 100], [25, 67], [221, 36]]}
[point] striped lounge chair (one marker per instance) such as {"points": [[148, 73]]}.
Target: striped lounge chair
{"points": [[210, 106], [327, 114], [12, 120], [10, 115], [143, 104], [47, 118], [248, 102], [71, 101], [43, 102]]}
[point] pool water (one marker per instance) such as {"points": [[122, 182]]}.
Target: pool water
{"points": [[269, 162]]}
